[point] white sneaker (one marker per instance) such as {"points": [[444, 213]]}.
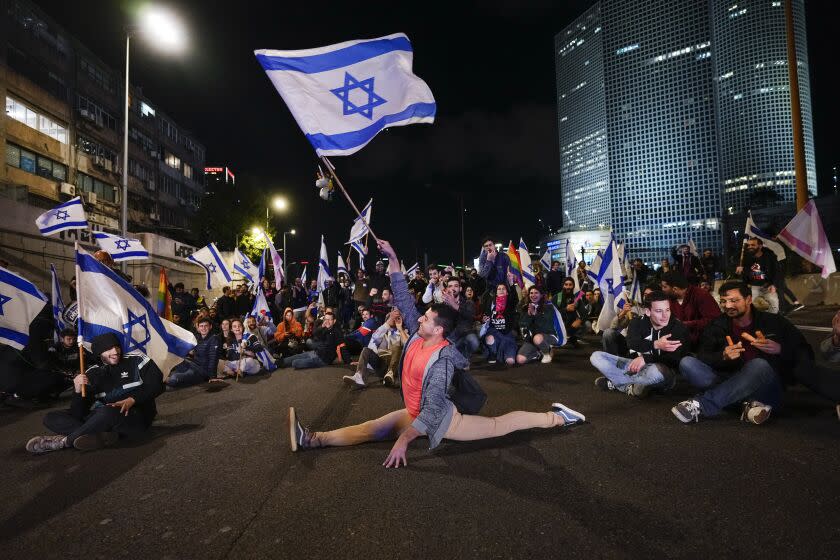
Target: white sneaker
{"points": [[755, 412], [389, 380], [355, 380], [546, 359]]}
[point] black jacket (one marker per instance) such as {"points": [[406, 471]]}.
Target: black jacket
{"points": [[641, 335], [774, 327], [136, 375], [325, 342], [225, 307], [760, 271], [66, 360]]}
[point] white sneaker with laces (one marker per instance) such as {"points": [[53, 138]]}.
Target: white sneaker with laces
{"points": [[354, 380], [755, 412], [546, 359], [687, 411]]}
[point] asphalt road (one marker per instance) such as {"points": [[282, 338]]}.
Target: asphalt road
{"points": [[215, 479]]}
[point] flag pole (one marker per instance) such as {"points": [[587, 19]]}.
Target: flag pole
{"points": [[79, 338], [347, 196]]}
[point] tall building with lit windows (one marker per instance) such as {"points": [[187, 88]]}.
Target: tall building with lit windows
{"points": [[673, 115]]}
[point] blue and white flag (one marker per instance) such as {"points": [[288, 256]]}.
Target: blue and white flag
{"points": [[340, 267], [545, 260], [20, 303], [214, 266], [342, 95], [260, 310], [120, 248], [525, 262], [107, 303], [303, 277], [362, 250], [323, 267], [752, 230], [559, 326], [57, 302], [595, 270], [412, 271], [261, 268], [635, 290], [243, 265], [276, 262], [361, 226], [611, 283], [70, 215]]}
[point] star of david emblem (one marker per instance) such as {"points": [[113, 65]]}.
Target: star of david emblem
{"points": [[246, 264], [3, 299], [62, 215], [211, 267], [136, 325], [366, 86], [122, 244]]}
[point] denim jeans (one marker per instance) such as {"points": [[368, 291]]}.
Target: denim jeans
{"points": [[503, 347], [616, 369], [755, 381], [185, 374], [304, 361], [467, 344], [613, 342]]}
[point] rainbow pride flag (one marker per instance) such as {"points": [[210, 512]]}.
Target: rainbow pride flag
{"points": [[515, 264], [164, 298]]}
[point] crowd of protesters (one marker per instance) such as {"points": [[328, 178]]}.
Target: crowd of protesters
{"points": [[734, 346]]}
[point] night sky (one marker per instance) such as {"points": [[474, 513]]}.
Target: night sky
{"points": [[489, 64]]}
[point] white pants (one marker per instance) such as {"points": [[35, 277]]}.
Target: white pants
{"points": [[772, 298], [250, 366]]}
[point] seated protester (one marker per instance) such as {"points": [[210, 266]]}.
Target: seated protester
{"points": [[741, 358], [197, 298], [355, 341], [382, 303], [434, 289], [298, 294], [822, 377], [694, 307], [325, 339], [383, 351], [263, 330], [575, 309], [309, 325], [613, 339], [470, 295], [240, 351], [119, 401], [288, 337], [582, 275], [427, 368], [499, 331], [244, 302], [536, 323], [657, 341], [597, 302], [464, 335], [554, 279], [182, 305], [201, 363], [65, 356]]}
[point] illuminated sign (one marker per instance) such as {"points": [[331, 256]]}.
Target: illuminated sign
{"points": [[214, 169], [229, 177]]}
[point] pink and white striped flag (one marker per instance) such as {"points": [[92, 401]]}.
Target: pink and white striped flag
{"points": [[805, 235]]}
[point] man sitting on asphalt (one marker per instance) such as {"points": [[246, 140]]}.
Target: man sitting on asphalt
{"points": [[742, 357], [201, 364], [384, 350], [427, 367], [65, 356], [692, 305], [119, 400], [464, 336], [325, 340], [656, 341]]}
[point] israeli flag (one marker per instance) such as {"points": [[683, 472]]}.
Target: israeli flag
{"points": [[323, 267], [635, 290], [120, 248], [342, 95], [527, 267], [752, 230], [70, 215], [107, 303], [243, 265], [340, 267], [276, 261], [559, 326], [595, 270], [303, 277], [362, 253], [412, 271], [260, 310], [211, 261], [20, 303], [360, 226], [545, 260], [57, 302], [612, 287], [261, 268]]}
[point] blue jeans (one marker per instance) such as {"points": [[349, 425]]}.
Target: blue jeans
{"points": [[755, 381], [467, 344], [185, 374], [304, 361], [503, 347], [616, 369], [613, 342]]}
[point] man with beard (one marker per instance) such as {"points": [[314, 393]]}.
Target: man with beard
{"points": [[759, 273]]}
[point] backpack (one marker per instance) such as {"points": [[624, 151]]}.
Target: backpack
{"points": [[466, 393]]}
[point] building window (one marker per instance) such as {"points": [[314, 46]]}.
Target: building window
{"points": [[169, 130], [99, 76], [21, 113], [33, 163], [188, 172], [141, 139], [173, 161], [100, 153], [93, 112], [103, 191]]}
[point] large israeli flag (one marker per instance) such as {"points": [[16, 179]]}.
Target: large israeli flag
{"points": [[20, 303], [527, 267], [214, 266], [342, 95], [70, 215], [57, 302], [361, 226], [323, 267], [120, 248], [107, 303], [243, 265], [611, 282]]}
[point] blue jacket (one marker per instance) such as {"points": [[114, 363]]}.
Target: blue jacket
{"points": [[494, 272]]}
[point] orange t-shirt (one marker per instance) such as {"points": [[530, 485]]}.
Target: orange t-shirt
{"points": [[414, 364]]}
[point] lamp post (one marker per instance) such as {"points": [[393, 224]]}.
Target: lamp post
{"points": [[280, 204], [285, 256], [159, 24]]}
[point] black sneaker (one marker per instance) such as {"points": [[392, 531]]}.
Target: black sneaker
{"points": [[604, 384], [300, 437], [92, 442]]}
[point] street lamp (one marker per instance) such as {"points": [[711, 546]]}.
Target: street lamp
{"points": [[280, 204], [166, 33], [285, 256]]}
